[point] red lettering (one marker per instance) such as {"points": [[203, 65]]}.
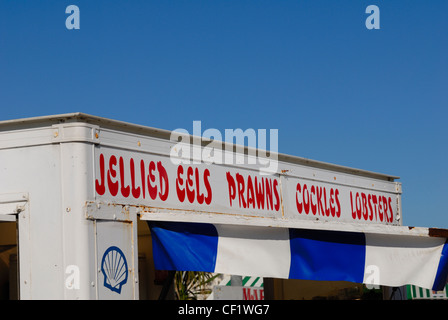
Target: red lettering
{"points": [[276, 195], [189, 183], [152, 178], [250, 193], [125, 191], [369, 200], [259, 192], [113, 186], [208, 187], [386, 218], [332, 207], [232, 188], [315, 198], [375, 205], [391, 212], [254, 192], [192, 189], [358, 208], [200, 197], [191, 193], [313, 204], [135, 191], [240, 182], [101, 187], [319, 201], [117, 175], [143, 174], [268, 189], [338, 204], [179, 182], [246, 294], [380, 207], [306, 199], [253, 294], [163, 176], [353, 209], [364, 206], [327, 210], [298, 204]]}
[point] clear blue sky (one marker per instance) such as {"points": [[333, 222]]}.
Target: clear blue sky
{"points": [[336, 91]]}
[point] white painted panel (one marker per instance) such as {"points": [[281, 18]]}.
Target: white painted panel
{"points": [[255, 251]]}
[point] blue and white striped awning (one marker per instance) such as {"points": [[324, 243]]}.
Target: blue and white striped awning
{"points": [[380, 259]]}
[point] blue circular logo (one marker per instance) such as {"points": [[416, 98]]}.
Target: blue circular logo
{"points": [[114, 268]]}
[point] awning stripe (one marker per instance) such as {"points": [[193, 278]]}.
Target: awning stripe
{"points": [[184, 246], [393, 260], [327, 255], [442, 269]]}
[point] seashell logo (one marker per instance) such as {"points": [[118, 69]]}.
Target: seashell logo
{"points": [[115, 269]]}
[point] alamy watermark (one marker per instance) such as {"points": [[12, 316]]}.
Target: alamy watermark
{"points": [[73, 20], [209, 147], [372, 277], [72, 281], [373, 20]]}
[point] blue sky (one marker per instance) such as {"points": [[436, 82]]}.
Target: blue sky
{"points": [[336, 91]]}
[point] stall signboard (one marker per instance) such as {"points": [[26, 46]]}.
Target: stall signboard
{"points": [[238, 194]]}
